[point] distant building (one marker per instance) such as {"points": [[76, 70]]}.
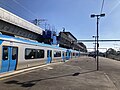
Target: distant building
{"points": [[84, 48], [67, 40]]}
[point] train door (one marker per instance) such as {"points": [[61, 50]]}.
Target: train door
{"points": [[63, 56], [75, 54], [9, 58], [68, 54], [71, 55], [49, 56]]}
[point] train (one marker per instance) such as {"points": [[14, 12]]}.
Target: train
{"points": [[19, 53]]}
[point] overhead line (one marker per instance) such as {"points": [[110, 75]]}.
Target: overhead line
{"points": [[116, 5], [102, 6], [11, 8], [113, 8], [98, 40], [24, 8]]}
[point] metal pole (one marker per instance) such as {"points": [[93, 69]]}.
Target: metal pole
{"points": [[101, 15], [97, 43], [95, 48]]}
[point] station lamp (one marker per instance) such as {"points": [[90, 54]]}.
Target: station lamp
{"points": [[97, 36]]}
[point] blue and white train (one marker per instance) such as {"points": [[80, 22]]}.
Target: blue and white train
{"points": [[17, 53]]}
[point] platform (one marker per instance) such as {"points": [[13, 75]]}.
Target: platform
{"points": [[77, 74]]}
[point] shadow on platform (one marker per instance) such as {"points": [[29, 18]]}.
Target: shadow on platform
{"points": [[33, 82]]}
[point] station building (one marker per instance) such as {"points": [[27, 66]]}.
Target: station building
{"points": [[67, 40]]}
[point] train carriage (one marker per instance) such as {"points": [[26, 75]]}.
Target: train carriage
{"points": [[17, 53]]}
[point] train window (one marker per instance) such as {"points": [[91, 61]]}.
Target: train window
{"points": [[5, 53], [66, 53], [57, 53], [29, 53], [14, 53], [34, 53], [73, 54], [77, 54], [40, 53]]}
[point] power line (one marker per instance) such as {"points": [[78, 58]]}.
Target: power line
{"points": [[3, 4], [7, 6], [113, 8], [102, 6], [110, 40], [38, 20], [116, 5], [24, 8]]}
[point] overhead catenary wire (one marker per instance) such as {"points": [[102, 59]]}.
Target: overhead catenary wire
{"points": [[25, 8], [102, 7], [18, 12], [3, 5], [115, 6]]}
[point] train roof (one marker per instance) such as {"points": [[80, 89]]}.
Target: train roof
{"points": [[71, 50], [24, 41]]}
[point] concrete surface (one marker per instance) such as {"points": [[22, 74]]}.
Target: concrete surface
{"points": [[76, 74]]}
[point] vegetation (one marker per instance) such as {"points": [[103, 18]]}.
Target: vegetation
{"points": [[113, 54], [110, 53]]}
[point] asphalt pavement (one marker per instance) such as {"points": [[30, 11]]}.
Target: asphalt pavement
{"points": [[75, 74]]}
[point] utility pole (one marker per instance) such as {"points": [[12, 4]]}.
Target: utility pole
{"points": [[98, 17]]}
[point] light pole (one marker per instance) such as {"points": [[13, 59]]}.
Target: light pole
{"points": [[98, 17], [95, 46]]}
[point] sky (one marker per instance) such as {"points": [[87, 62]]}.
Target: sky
{"points": [[74, 16]]}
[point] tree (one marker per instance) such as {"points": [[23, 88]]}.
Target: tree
{"points": [[111, 51], [118, 53]]}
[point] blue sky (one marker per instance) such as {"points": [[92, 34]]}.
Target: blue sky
{"points": [[74, 15]]}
